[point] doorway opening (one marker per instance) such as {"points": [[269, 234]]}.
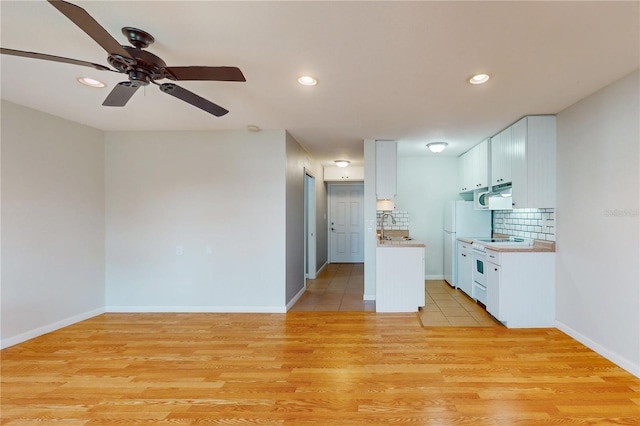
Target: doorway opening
{"points": [[310, 268]]}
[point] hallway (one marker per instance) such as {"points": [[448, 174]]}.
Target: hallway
{"points": [[339, 287]]}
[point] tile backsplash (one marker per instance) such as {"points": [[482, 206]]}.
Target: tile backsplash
{"points": [[402, 220], [527, 223]]}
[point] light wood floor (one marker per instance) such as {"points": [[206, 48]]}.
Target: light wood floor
{"points": [[320, 368]]}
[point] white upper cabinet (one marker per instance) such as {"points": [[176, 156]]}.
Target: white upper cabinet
{"points": [[480, 176], [501, 152], [464, 172], [473, 168], [533, 167], [339, 174], [386, 169], [524, 155]]}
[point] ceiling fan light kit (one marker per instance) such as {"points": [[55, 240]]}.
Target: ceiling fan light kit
{"points": [[141, 67]]}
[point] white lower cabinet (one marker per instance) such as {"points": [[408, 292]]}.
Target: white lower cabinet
{"points": [[399, 279], [465, 267], [493, 287], [521, 288]]}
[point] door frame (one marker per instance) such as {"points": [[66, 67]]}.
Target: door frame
{"points": [[310, 234]]}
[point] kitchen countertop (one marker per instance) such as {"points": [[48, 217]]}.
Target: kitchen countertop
{"points": [[400, 243], [466, 240], [538, 245]]}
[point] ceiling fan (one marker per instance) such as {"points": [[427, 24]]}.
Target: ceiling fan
{"points": [[142, 67]]}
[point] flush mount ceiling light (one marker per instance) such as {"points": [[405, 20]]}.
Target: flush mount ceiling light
{"points": [[479, 79], [437, 146], [342, 163], [307, 80], [91, 82]]}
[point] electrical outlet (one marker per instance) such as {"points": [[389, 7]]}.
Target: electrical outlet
{"points": [[208, 251], [178, 250]]}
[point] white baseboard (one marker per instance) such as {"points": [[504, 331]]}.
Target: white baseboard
{"points": [[31, 334], [434, 277], [199, 309], [321, 268], [369, 297], [295, 298], [596, 347]]}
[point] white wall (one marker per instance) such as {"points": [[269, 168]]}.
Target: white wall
{"points": [[425, 184], [369, 206], [297, 160], [223, 191], [52, 223], [598, 296]]}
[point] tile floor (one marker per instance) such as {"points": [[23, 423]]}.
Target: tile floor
{"points": [[339, 287], [447, 307]]}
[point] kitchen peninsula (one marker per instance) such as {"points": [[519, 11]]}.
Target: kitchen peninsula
{"points": [[400, 275]]}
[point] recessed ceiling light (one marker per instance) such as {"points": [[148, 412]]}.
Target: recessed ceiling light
{"points": [[253, 128], [307, 80], [91, 82], [479, 79]]}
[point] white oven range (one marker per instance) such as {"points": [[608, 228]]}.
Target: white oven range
{"points": [[479, 274]]}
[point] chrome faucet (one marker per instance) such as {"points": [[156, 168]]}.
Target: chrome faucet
{"points": [[384, 215]]}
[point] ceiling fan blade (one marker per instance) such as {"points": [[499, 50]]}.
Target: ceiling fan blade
{"points": [[82, 19], [206, 73], [53, 58], [120, 94], [193, 99]]}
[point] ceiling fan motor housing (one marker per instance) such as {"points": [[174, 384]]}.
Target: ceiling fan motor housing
{"points": [[148, 67]]}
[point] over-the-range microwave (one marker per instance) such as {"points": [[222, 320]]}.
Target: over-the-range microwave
{"points": [[491, 200], [481, 200]]}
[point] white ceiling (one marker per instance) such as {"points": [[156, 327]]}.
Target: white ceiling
{"points": [[386, 70]]}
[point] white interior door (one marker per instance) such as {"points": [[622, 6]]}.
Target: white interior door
{"points": [[346, 223]]}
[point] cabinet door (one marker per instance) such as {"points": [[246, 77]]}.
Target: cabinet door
{"points": [[386, 169], [519, 163], [493, 290], [541, 161], [334, 173], [465, 266], [465, 164], [480, 165], [501, 158]]}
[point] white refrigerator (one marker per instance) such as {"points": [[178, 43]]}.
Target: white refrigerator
{"points": [[461, 220]]}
